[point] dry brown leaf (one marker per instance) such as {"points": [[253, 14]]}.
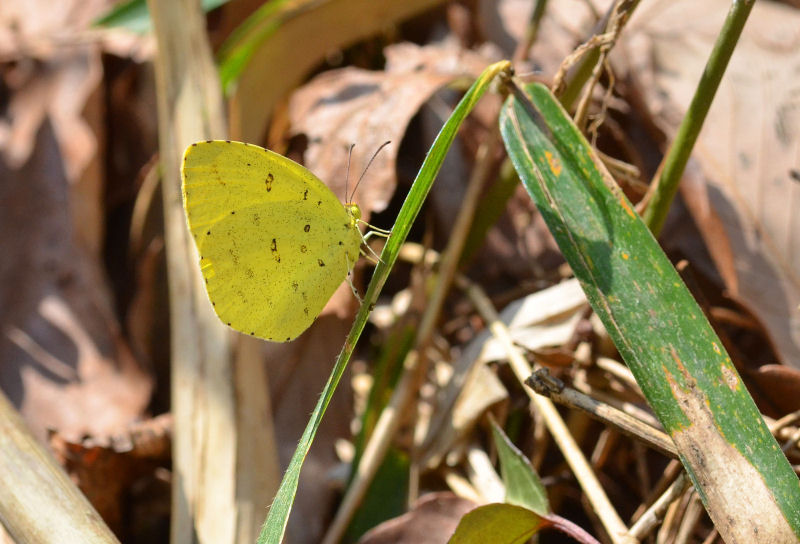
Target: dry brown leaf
{"points": [[342, 107], [54, 79], [105, 467], [565, 25], [747, 210], [432, 519], [65, 364], [781, 384], [40, 28]]}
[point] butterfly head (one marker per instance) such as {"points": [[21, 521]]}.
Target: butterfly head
{"points": [[354, 212]]}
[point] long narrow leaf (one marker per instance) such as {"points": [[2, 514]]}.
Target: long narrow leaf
{"points": [[278, 516], [742, 476]]}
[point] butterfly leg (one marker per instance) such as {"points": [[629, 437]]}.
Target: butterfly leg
{"points": [[349, 278], [365, 237], [370, 253], [375, 231]]}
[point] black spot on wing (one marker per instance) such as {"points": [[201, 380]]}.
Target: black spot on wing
{"points": [[274, 249]]}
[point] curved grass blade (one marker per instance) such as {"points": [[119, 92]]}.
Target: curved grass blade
{"points": [[275, 524]]}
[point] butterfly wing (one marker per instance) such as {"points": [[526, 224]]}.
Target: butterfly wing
{"points": [[274, 241]]}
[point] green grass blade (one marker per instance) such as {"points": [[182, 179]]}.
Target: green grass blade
{"points": [[658, 327], [275, 524], [669, 176]]}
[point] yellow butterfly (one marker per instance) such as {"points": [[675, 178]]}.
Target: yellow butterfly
{"points": [[274, 241]]}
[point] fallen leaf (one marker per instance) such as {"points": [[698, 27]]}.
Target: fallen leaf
{"points": [[367, 108], [432, 519], [781, 384], [65, 364], [106, 467], [564, 25]]}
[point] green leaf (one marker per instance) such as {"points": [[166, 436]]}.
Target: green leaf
{"points": [[523, 486], [497, 523], [659, 329]]}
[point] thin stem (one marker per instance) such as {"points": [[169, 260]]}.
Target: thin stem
{"points": [[665, 183], [531, 33]]}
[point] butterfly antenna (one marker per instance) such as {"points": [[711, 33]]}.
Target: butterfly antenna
{"points": [[347, 177], [384, 144]]}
